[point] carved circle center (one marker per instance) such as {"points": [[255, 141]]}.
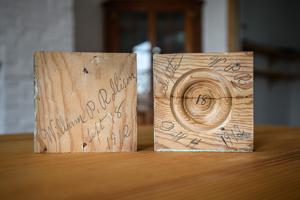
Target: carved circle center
{"points": [[201, 100]]}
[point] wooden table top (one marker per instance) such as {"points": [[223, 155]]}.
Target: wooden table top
{"points": [[271, 172]]}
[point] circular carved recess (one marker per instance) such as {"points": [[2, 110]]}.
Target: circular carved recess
{"points": [[201, 100]]}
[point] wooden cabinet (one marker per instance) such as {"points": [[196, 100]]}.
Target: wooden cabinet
{"points": [[147, 27], [171, 25]]}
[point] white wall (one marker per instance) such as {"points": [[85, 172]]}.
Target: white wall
{"points": [[27, 26], [214, 20]]}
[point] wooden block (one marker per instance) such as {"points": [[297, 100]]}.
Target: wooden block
{"points": [[85, 102], [203, 102]]}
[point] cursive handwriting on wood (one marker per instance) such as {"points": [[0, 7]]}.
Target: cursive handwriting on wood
{"points": [[169, 72], [61, 126], [241, 79]]}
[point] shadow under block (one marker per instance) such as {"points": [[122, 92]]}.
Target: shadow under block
{"points": [[85, 102], [203, 102]]}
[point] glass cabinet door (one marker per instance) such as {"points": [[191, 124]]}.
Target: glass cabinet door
{"points": [[133, 30], [145, 27], [134, 38], [170, 32]]}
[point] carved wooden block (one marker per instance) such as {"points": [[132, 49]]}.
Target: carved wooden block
{"points": [[85, 102], [203, 102]]}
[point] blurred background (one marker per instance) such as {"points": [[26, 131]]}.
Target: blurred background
{"points": [[270, 28]]}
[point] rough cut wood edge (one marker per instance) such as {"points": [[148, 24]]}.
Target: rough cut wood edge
{"points": [[124, 62], [192, 62]]}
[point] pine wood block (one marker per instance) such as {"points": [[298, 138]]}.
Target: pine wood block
{"points": [[203, 102], [85, 102]]}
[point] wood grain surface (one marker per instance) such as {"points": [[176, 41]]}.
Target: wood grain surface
{"points": [[203, 102], [85, 102], [270, 172]]}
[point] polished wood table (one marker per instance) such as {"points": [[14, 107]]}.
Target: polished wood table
{"points": [[271, 172]]}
